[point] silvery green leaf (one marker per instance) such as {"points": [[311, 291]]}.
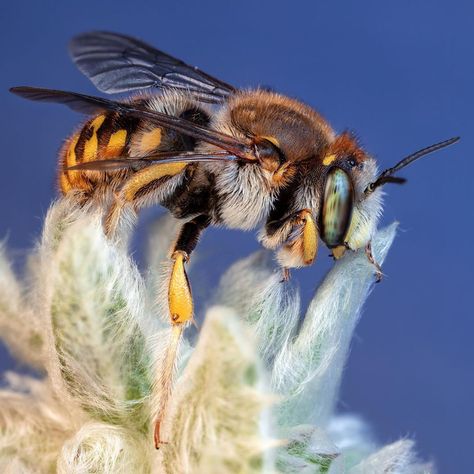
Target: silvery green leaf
{"points": [[92, 294], [253, 288], [216, 421], [396, 458], [103, 448], [33, 425], [307, 371], [20, 327]]}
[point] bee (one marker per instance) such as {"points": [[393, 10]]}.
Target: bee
{"points": [[213, 155]]}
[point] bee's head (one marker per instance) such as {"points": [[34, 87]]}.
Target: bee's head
{"points": [[348, 217], [352, 196]]}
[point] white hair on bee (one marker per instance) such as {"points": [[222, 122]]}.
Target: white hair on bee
{"points": [[367, 209], [244, 205]]}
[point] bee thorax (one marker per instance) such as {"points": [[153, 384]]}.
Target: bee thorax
{"points": [[244, 197]]}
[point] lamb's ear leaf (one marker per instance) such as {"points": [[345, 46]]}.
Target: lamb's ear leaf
{"points": [[395, 457], [217, 412], [20, 327], [310, 366], [93, 294], [253, 288]]}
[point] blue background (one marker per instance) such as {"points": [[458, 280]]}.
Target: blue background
{"points": [[401, 74]]}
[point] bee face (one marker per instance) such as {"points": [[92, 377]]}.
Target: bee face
{"points": [[348, 215]]}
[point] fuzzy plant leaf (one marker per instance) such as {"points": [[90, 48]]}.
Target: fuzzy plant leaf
{"points": [[395, 458], [19, 328], [257, 394], [93, 295], [308, 369], [217, 416], [103, 448], [306, 364], [33, 425]]}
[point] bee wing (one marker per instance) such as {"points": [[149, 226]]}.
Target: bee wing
{"points": [[118, 63], [126, 162], [90, 105]]}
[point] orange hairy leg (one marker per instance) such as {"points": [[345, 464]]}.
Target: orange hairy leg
{"points": [[181, 311], [137, 188]]}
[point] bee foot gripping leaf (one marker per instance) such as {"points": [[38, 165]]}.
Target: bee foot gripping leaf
{"points": [[371, 259], [179, 292], [339, 252]]}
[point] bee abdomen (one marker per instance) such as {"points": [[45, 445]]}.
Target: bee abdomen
{"points": [[112, 135], [103, 137]]}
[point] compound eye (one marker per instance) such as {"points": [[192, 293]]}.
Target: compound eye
{"points": [[337, 206]]}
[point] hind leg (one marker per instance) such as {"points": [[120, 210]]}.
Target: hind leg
{"points": [[145, 187], [181, 310]]}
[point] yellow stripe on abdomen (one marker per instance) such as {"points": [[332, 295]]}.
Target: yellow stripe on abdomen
{"points": [[68, 160], [116, 144], [150, 141], [92, 144]]}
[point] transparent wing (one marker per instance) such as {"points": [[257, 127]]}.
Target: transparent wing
{"points": [[91, 105], [118, 63]]}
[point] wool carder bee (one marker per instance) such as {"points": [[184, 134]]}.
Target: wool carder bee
{"points": [[213, 155]]}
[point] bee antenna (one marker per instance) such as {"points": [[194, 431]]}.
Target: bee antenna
{"points": [[386, 175]]}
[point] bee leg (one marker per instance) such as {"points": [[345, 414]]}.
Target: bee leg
{"points": [[181, 309], [285, 274], [143, 188], [338, 252], [114, 214], [370, 257], [301, 247]]}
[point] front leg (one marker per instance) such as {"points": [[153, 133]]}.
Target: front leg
{"points": [[296, 237]]}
